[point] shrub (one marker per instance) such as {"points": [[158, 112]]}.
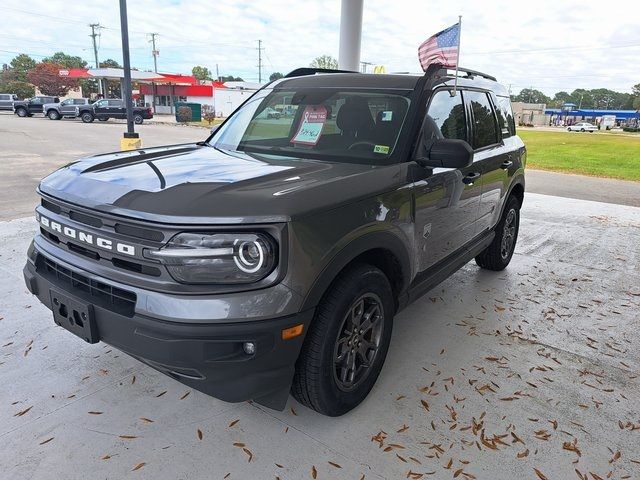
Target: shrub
{"points": [[184, 114], [208, 113], [631, 129]]}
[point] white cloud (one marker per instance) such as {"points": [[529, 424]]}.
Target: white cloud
{"points": [[497, 36]]}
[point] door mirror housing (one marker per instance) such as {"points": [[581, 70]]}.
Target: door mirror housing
{"points": [[448, 153]]}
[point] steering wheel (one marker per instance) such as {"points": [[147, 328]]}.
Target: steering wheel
{"points": [[362, 143]]}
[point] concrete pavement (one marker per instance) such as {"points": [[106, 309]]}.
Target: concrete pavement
{"points": [[489, 376]]}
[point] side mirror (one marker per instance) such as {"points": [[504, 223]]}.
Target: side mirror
{"points": [[448, 153]]}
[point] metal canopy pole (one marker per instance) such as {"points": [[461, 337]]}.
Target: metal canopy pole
{"points": [[124, 27], [350, 35]]}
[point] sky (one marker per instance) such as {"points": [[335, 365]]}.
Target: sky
{"points": [[550, 45]]}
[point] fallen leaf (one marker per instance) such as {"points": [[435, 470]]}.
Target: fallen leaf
{"points": [[138, 466], [106, 457], [146, 420], [335, 465], [248, 452], [161, 394], [22, 412], [133, 380], [127, 437], [293, 412], [94, 413], [185, 395], [425, 405], [540, 475], [314, 472], [46, 441], [200, 434], [232, 424], [239, 444]]}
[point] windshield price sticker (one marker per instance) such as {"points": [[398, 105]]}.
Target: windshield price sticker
{"points": [[310, 129]]}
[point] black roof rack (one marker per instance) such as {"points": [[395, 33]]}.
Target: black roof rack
{"points": [[473, 73], [304, 71]]}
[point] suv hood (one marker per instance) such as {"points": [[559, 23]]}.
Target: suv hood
{"points": [[196, 183]]}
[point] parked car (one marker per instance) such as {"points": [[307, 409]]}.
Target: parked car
{"points": [[31, 106], [66, 108], [108, 108], [270, 113], [6, 100], [265, 260], [582, 127]]}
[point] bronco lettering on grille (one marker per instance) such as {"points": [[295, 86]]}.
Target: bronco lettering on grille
{"points": [[85, 237]]}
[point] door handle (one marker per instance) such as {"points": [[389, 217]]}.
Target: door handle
{"points": [[472, 177], [506, 164]]}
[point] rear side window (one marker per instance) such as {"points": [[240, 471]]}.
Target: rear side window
{"points": [[445, 117], [5, 97], [79, 101], [505, 117], [485, 130], [115, 103]]}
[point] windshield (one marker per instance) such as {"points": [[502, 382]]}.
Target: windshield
{"points": [[333, 124]]}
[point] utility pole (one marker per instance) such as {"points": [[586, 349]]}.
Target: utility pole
{"points": [[259, 61], [217, 72], [154, 52], [131, 140], [95, 52], [364, 65]]}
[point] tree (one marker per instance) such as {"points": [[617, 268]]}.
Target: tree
{"points": [[110, 63], [531, 95], [67, 61], [46, 76], [635, 91], [201, 73], [21, 89], [21, 65], [325, 61], [230, 78], [275, 76]]}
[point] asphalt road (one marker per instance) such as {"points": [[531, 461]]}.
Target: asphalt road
{"points": [[31, 148]]}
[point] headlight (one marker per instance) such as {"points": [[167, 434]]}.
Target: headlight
{"points": [[224, 258]]}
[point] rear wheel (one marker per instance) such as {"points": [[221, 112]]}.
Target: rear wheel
{"points": [[53, 115], [87, 117], [347, 342], [498, 254]]}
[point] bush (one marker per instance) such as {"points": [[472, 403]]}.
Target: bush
{"points": [[208, 113], [631, 129], [21, 89], [184, 114]]}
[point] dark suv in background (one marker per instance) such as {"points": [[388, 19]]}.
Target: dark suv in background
{"points": [[66, 108], [31, 106], [272, 257], [108, 108]]}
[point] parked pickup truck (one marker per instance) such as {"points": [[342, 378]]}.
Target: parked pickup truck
{"points": [[273, 256], [6, 100], [66, 108], [27, 108], [108, 108]]}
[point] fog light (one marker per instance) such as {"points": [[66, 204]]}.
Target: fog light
{"points": [[249, 348]]}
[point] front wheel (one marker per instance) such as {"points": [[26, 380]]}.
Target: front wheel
{"points": [[87, 117], [21, 112], [137, 119], [498, 254], [582, 129], [53, 115], [347, 342]]}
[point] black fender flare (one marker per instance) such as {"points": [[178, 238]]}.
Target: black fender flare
{"points": [[370, 241], [518, 180]]}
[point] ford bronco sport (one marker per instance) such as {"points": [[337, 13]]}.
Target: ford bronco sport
{"points": [[272, 257]]}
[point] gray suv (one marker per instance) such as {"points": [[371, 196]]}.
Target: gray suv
{"points": [[6, 101], [273, 257], [66, 108]]}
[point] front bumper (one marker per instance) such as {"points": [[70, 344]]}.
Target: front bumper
{"points": [[208, 357]]}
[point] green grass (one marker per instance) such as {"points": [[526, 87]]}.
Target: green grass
{"points": [[597, 154]]}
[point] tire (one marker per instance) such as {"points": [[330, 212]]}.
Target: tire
{"points": [[87, 117], [318, 382], [103, 119], [582, 129], [21, 112], [53, 115], [137, 119], [568, 129], [497, 256]]}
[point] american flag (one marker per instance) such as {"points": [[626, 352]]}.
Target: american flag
{"points": [[441, 48]]}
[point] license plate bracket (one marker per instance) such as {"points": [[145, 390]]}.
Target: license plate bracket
{"points": [[74, 315]]}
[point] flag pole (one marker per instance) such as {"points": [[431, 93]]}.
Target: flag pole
{"points": [[455, 85]]}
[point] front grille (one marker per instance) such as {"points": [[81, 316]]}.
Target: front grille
{"points": [[106, 296]]}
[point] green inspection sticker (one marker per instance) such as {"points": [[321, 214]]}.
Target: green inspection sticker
{"points": [[380, 149]]}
